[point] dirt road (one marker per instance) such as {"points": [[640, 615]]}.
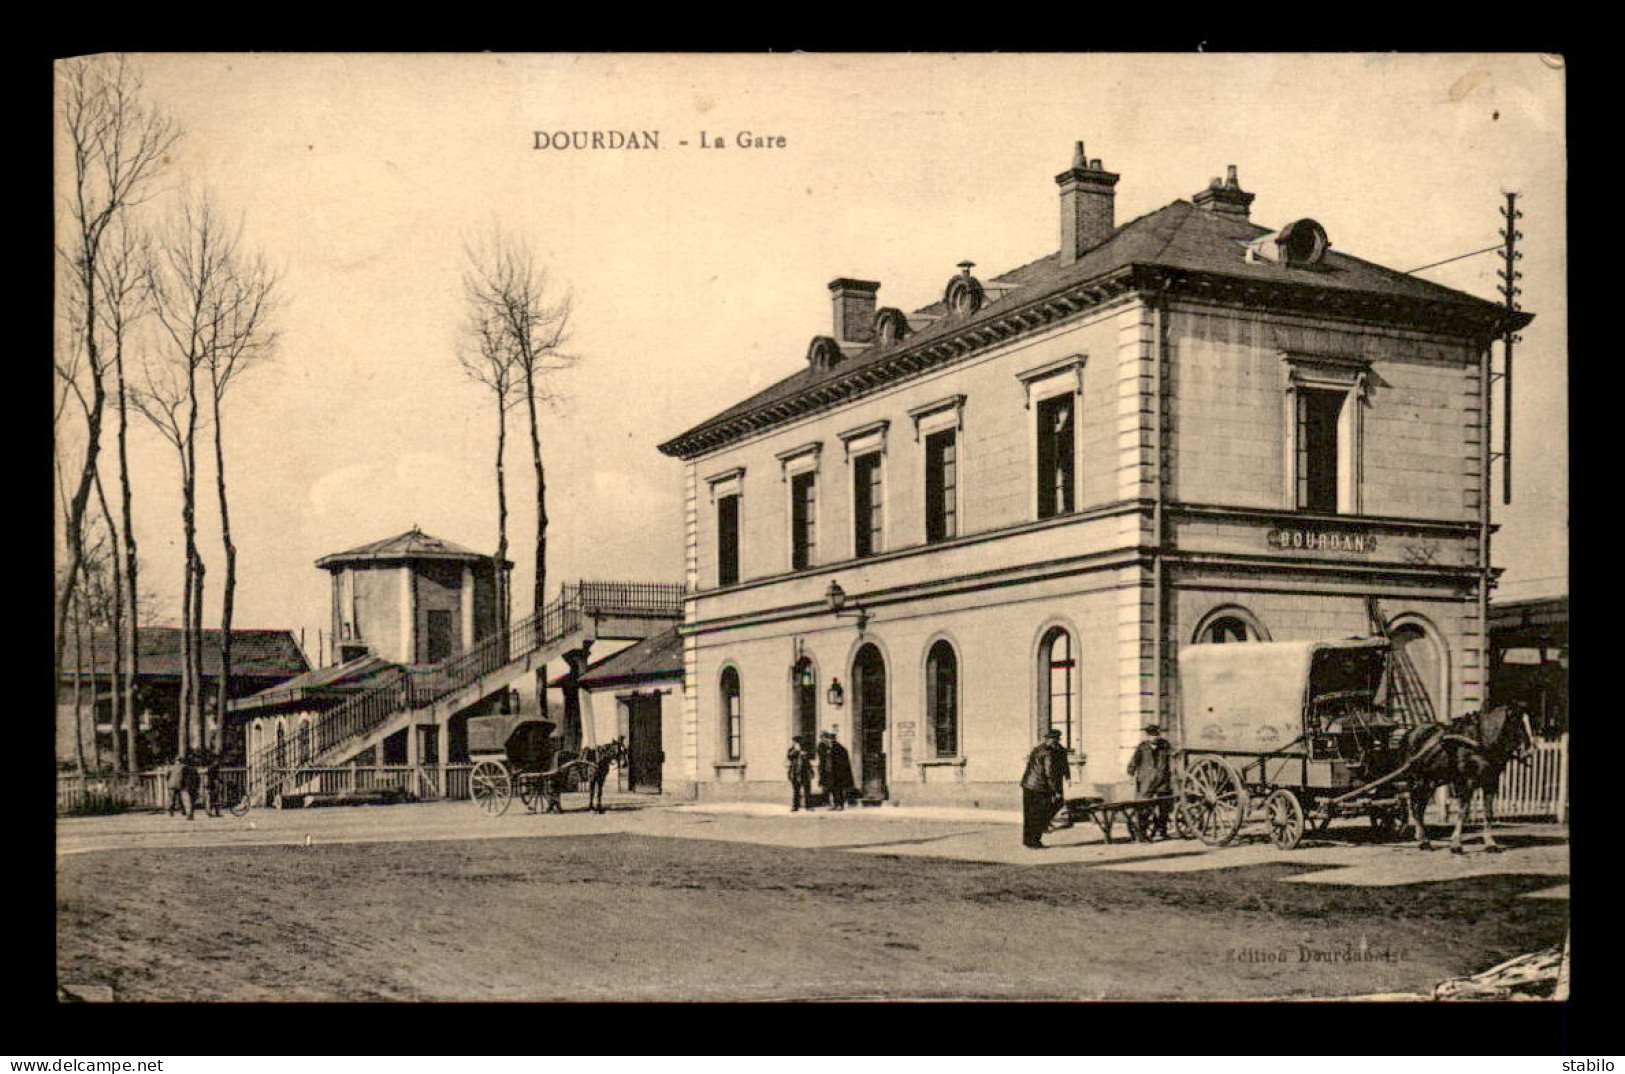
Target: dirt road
{"points": [[674, 904]]}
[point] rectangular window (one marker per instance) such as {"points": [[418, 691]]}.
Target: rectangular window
{"points": [[1319, 415], [803, 519], [941, 485], [1056, 457], [727, 540], [866, 504], [735, 726]]}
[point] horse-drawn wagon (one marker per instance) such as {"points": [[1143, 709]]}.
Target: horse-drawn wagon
{"points": [[1304, 731], [517, 757]]}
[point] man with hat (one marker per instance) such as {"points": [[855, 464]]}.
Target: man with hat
{"points": [[799, 762], [1043, 789], [1152, 769], [834, 770]]}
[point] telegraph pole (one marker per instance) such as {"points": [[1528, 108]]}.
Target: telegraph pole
{"points": [[1510, 255]]}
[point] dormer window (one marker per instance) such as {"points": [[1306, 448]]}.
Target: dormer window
{"points": [[890, 326], [964, 294], [823, 354]]}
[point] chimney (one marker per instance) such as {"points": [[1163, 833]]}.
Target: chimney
{"points": [[1088, 213], [1226, 197], [854, 311]]}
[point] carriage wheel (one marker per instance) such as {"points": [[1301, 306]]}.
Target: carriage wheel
{"points": [[530, 789], [239, 808], [493, 792], [1214, 800], [1284, 814], [1182, 824]]}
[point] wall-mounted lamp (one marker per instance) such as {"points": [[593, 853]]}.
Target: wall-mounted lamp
{"points": [[836, 696], [835, 597]]}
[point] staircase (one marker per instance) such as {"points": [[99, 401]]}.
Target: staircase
{"points": [[432, 694]]}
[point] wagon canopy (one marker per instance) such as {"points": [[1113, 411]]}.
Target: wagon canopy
{"points": [[1252, 696], [524, 740]]}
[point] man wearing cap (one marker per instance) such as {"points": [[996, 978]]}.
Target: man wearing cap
{"points": [[1043, 788], [1153, 775], [799, 762], [834, 770]]}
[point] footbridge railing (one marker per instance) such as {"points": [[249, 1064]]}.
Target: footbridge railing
{"points": [[409, 688]]}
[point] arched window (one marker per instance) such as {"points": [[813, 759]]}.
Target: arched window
{"points": [[732, 721], [942, 698], [1057, 668], [804, 681], [304, 741], [1419, 685], [281, 745], [1227, 629]]}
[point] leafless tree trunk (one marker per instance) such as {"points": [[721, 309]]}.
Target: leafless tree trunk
{"points": [[186, 280], [243, 304], [116, 144], [506, 287], [487, 358], [75, 610], [111, 607]]}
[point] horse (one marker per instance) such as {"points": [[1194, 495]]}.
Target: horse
{"points": [[1468, 754], [598, 760]]}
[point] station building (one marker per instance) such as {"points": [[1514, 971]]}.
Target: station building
{"points": [[958, 527]]}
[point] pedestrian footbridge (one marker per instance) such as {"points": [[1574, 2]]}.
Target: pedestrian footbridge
{"points": [[583, 612]]}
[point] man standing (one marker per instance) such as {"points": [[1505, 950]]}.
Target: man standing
{"points": [[834, 770], [1043, 788], [1152, 770], [799, 762], [209, 783]]}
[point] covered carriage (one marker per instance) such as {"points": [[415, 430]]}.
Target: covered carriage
{"points": [[514, 756], [1301, 732]]}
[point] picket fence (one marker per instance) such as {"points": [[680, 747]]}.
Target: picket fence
{"points": [[1538, 790], [147, 790]]}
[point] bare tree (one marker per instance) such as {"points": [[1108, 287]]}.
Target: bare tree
{"points": [[242, 306], [488, 359], [117, 144], [196, 299], [510, 292]]}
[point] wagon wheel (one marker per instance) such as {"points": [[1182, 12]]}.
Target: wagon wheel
{"points": [[529, 785], [240, 807], [1213, 799], [493, 792], [1284, 813], [1182, 824]]}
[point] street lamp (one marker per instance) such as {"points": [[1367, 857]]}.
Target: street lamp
{"points": [[835, 597]]}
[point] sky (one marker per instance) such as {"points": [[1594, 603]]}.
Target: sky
{"points": [[699, 274]]}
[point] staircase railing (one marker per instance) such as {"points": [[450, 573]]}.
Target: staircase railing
{"points": [[270, 769]]}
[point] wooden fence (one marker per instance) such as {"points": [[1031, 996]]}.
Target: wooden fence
{"points": [[147, 790], [1538, 790]]}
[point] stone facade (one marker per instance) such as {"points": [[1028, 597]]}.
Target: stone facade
{"points": [[1186, 518]]}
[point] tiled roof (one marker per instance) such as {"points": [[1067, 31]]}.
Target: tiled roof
{"points": [[659, 656], [1178, 237], [329, 682], [270, 654], [413, 544]]}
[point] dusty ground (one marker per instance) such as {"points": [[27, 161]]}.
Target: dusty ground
{"points": [[666, 904]]}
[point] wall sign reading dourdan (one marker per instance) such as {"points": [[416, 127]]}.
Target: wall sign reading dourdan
{"points": [[1321, 540]]}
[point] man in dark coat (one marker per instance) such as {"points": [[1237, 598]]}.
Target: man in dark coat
{"points": [[799, 763], [1152, 769], [834, 770], [1043, 788]]}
